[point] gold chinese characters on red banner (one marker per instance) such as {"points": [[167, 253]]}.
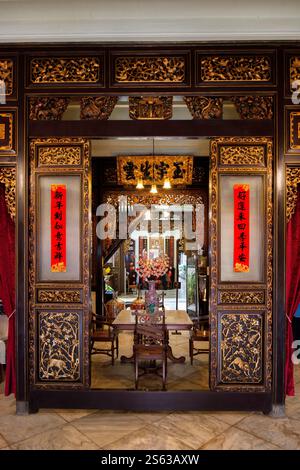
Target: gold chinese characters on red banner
{"points": [[58, 228], [241, 193], [158, 168]]}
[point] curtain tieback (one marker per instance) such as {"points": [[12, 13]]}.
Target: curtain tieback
{"points": [[12, 313], [288, 318]]}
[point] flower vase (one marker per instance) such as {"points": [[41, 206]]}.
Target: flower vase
{"points": [[151, 299]]}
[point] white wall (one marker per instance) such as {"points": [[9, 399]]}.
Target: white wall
{"points": [[151, 20]]}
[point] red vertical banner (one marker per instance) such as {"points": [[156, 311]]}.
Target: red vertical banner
{"points": [[241, 195], [58, 228]]}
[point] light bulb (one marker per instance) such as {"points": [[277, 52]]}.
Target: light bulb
{"points": [[140, 184], [167, 184], [153, 189]]}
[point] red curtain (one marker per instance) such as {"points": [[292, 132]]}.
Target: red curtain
{"points": [[7, 287], [292, 290]]}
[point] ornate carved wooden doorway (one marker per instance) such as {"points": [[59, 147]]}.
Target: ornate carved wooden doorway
{"points": [[241, 300]]}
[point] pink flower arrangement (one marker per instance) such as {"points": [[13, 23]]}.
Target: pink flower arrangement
{"points": [[153, 268]]}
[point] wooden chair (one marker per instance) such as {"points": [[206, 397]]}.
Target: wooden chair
{"points": [[102, 331], [150, 344], [199, 333]]}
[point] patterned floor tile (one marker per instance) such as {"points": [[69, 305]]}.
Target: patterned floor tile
{"points": [[149, 438], [65, 438], [104, 428], [235, 439], [283, 432], [17, 428]]}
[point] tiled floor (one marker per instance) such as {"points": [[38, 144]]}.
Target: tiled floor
{"points": [[92, 429]]}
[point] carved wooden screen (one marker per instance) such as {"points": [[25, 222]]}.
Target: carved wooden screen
{"points": [[241, 302], [59, 299]]}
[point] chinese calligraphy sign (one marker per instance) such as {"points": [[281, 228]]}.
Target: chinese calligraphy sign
{"points": [[241, 194], [178, 169], [58, 228]]}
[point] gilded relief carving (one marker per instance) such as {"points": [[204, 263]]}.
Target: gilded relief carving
{"points": [[254, 107], [150, 107], [7, 122], [66, 374], [295, 130], [2, 131], [8, 178], [47, 108], [184, 197], [242, 155], [65, 70], [235, 297], [241, 348], [294, 70], [58, 296], [220, 380], [59, 346], [157, 69], [204, 107], [99, 107], [59, 156], [235, 68], [6, 74], [292, 181]]}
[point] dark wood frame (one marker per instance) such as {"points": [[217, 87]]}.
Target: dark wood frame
{"points": [[280, 53]]}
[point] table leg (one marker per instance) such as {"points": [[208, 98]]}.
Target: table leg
{"points": [[127, 359]]}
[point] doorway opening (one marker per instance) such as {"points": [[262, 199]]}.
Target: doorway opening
{"points": [[117, 278]]}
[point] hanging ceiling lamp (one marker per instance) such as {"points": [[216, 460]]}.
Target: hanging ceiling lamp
{"points": [[140, 184], [167, 184], [153, 189]]}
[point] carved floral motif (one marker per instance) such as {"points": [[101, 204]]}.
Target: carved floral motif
{"points": [[59, 155], [65, 70], [294, 70], [8, 178], [150, 107], [292, 181], [6, 74], [150, 69], [47, 108], [254, 107], [242, 155], [241, 348], [204, 107], [233, 297], [235, 68], [59, 347], [99, 107], [58, 296]]}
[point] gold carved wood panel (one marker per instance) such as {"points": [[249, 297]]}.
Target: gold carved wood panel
{"points": [[66, 70], [241, 348], [50, 296], [240, 312], [59, 346], [292, 182], [143, 69], [7, 75], [59, 336], [235, 68], [242, 155], [8, 131], [244, 297], [8, 178]]}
